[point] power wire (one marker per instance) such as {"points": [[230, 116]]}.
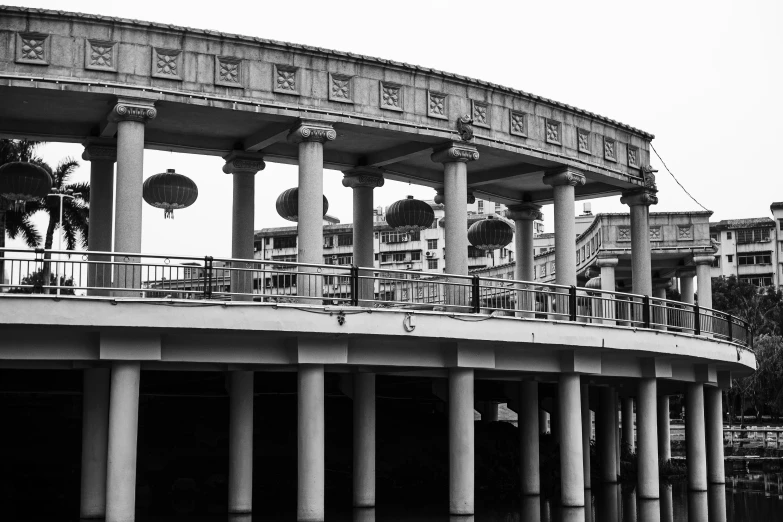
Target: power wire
{"points": [[675, 179]]}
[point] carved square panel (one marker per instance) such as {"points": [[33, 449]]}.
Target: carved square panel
{"points": [[228, 72], [552, 268], [437, 105], [552, 132], [100, 55], [623, 233], [479, 111], [656, 234], [167, 63], [583, 141], [286, 79], [684, 232], [391, 96], [633, 156], [34, 48], [341, 88], [610, 149], [518, 123]]}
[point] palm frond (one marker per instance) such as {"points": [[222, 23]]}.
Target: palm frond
{"points": [[63, 171], [83, 189]]}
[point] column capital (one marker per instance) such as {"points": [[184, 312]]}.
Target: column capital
{"points": [[659, 283], [100, 150], [310, 130], [455, 153], [704, 259], [525, 212], [686, 272], [363, 177], [564, 176], [607, 262], [439, 199], [642, 196], [133, 109], [239, 162]]}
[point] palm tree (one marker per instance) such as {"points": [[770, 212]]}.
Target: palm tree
{"points": [[18, 224]]}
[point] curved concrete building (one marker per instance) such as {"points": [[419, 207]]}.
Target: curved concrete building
{"points": [[123, 86]]}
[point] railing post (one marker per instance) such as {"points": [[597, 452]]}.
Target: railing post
{"points": [[354, 285], [572, 303], [208, 277], [729, 321], [476, 284], [646, 311], [696, 320]]}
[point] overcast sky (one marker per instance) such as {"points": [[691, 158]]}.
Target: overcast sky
{"points": [[703, 76]]}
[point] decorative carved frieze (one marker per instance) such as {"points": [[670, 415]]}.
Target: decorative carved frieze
{"points": [[126, 110], [363, 177], [100, 55], [286, 79], [633, 156], [239, 162], [518, 123], [610, 149], [623, 234], [553, 130], [312, 131], [656, 233], [525, 212], [437, 105], [99, 151], [455, 152], [167, 63], [564, 176], [648, 176], [642, 196], [480, 113], [391, 96], [341, 88], [228, 72], [34, 48], [684, 232], [583, 141]]}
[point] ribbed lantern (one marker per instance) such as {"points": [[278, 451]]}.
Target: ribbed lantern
{"points": [[407, 215], [21, 181], [594, 283], [170, 191], [287, 204], [490, 233]]}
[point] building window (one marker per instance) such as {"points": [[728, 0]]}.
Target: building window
{"points": [[763, 258], [475, 252], [415, 256], [285, 242], [480, 207], [345, 240], [399, 257], [434, 223], [497, 207], [758, 280], [432, 244], [503, 253], [328, 241], [728, 235], [432, 264], [715, 237], [752, 235], [730, 258], [716, 262], [266, 240]]}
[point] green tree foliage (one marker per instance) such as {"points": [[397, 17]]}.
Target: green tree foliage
{"points": [[33, 284]]}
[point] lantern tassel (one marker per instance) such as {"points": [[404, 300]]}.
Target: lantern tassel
{"points": [[168, 213]]}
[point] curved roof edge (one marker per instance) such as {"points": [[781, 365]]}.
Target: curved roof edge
{"points": [[324, 51]]}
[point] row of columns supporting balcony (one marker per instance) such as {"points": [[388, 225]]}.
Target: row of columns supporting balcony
{"points": [[111, 396]]}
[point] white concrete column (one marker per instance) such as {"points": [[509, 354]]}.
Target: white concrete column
{"points": [[687, 294], [664, 429], [102, 155], [716, 502], [667, 503], [704, 289], [363, 180], [524, 216], [563, 182], [311, 136], [455, 158], [659, 311], [713, 417], [243, 166], [608, 284], [605, 435], [528, 423], [572, 483], [310, 494], [95, 440], [240, 442], [543, 417], [122, 444], [461, 442], [695, 443], [641, 262], [627, 425], [586, 429], [130, 115], [647, 453], [364, 440]]}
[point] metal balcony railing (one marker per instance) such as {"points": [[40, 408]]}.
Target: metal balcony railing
{"points": [[111, 274]]}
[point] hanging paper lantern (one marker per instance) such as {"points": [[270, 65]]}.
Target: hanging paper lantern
{"points": [[490, 233], [407, 215], [21, 181], [594, 283], [170, 191], [287, 204]]}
